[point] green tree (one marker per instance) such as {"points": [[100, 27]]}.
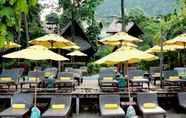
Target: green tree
{"points": [[52, 18], [82, 11], [10, 17]]}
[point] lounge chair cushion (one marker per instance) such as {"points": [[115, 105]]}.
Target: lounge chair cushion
{"points": [[18, 106], [48, 74], [138, 77], [156, 74], [65, 78], [107, 78], [111, 106], [174, 78], [34, 79], [5, 78], [149, 105], [112, 112], [58, 106], [157, 110]]}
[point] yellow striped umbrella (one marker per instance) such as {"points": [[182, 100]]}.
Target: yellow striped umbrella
{"points": [[119, 38], [126, 54], [53, 41], [36, 52], [10, 44]]}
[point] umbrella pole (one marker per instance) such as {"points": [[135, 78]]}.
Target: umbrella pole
{"points": [[35, 94], [126, 76], [184, 59], [59, 62]]}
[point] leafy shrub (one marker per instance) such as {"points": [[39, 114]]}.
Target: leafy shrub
{"points": [[93, 68]]}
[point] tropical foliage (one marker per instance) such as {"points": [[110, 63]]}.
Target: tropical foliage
{"points": [[82, 11], [11, 13]]}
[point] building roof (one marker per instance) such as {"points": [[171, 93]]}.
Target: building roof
{"points": [[132, 28], [78, 36]]}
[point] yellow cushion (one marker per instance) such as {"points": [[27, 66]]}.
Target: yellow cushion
{"points": [[149, 105], [58, 106], [111, 106], [48, 74], [6, 78], [138, 77], [34, 78], [108, 78], [174, 78], [65, 78], [156, 74], [18, 106]]}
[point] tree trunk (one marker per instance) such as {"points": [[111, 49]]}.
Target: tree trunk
{"points": [[26, 29]]}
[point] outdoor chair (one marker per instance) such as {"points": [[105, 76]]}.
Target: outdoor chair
{"points": [[34, 77], [9, 77], [84, 70], [148, 104], [20, 106], [19, 71], [65, 80], [107, 81], [50, 72], [77, 75], [155, 74], [137, 77], [110, 106], [172, 79], [60, 107], [182, 99]]}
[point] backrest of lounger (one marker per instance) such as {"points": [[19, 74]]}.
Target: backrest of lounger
{"points": [[23, 98], [61, 99], [105, 72], [133, 73], [19, 71], [9, 73], [154, 70], [146, 98], [169, 73], [65, 74], [38, 74], [179, 69], [53, 70], [109, 99], [182, 97]]}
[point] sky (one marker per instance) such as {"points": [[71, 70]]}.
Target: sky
{"points": [[50, 6]]}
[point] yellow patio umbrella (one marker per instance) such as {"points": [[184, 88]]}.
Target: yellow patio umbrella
{"points": [[126, 54], [36, 52], [179, 40], [127, 44], [119, 37], [157, 48], [52, 41], [10, 44], [76, 53]]}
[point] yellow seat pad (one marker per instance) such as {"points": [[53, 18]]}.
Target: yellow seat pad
{"points": [[111, 106], [149, 105], [49, 74], [107, 78], [18, 106], [65, 78], [174, 78], [58, 106], [138, 77], [34, 79], [5, 78]]}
